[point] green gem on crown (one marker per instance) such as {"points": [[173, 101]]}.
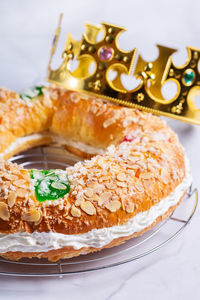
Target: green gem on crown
{"points": [[188, 77], [30, 93], [50, 184]]}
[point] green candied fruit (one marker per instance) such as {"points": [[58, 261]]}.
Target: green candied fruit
{"points": [[31, 93], [50, 184]]}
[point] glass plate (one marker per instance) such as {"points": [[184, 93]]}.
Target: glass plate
{"points": [[52, 157]]}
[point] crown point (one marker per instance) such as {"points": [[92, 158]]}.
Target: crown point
{"points": [[106, 53]]}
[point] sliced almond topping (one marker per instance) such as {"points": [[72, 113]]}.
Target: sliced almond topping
{"points": [[69, 218], [139, 187], [108, 122], [4, 212], [106, 196], [146, 175], [75, 212], [130, 207], [111, 185], [10, 176], [11, 198], [32, 216], [88, 192], [88, 207], [121, 176], [113, 205], [58, 185], [98, 188], [103, 178], [20, 183], [90, 184], [93, 198], [164, 175], [21, 193], [121, 184], [78, 201], [137, 154], [14, 170]]}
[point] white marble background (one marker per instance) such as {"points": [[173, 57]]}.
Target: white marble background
{"points": [[26, 31]]}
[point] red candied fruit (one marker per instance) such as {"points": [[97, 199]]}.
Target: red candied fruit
{"points": [[127, 139]]}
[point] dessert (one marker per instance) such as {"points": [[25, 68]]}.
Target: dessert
{"points": [[135, 175]]}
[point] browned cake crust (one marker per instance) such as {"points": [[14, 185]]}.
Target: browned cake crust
{"points": [[144, 164]]}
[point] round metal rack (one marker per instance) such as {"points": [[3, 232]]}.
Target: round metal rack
{"points": [[52, 157]]}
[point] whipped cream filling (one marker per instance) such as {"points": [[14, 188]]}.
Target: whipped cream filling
{"points": [[23, 140], [55, 139], [78, 145], [97, 238]]}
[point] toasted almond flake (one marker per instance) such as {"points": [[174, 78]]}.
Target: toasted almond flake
{"points": [[121, 184], [108, 122], [67, 206], [114, 205], [69, 218], [164, 175], [139, 187], [106, 196], [88, 192], [98, 188], [111, 185], [91, 184], [32, 216], [147, 184], [14, 170], [146, 175], [4, 212], [137, 154], [93, 198], [121, 176], [88, 207], [11, 198], [103, 178], [130, 207], [21, 193], [78, 201], [58, 186], [10, 176], [20, 183], [75, 212]]}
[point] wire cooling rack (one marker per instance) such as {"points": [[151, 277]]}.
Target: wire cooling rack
{"points": [[53, 157]]}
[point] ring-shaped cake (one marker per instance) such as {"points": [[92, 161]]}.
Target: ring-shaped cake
{"points": [[135, 175]]}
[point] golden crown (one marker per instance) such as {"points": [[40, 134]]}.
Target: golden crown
{"points": [[107, 56]]}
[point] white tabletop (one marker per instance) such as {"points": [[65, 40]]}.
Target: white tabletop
{"points": [[26, 31]]}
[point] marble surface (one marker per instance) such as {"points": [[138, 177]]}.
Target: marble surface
{"points": [[26, 31]]}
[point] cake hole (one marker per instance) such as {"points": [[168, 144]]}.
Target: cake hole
{"points": [[169, 90], [92, 68], [112, 75], [130, 82], [73, 64]]}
